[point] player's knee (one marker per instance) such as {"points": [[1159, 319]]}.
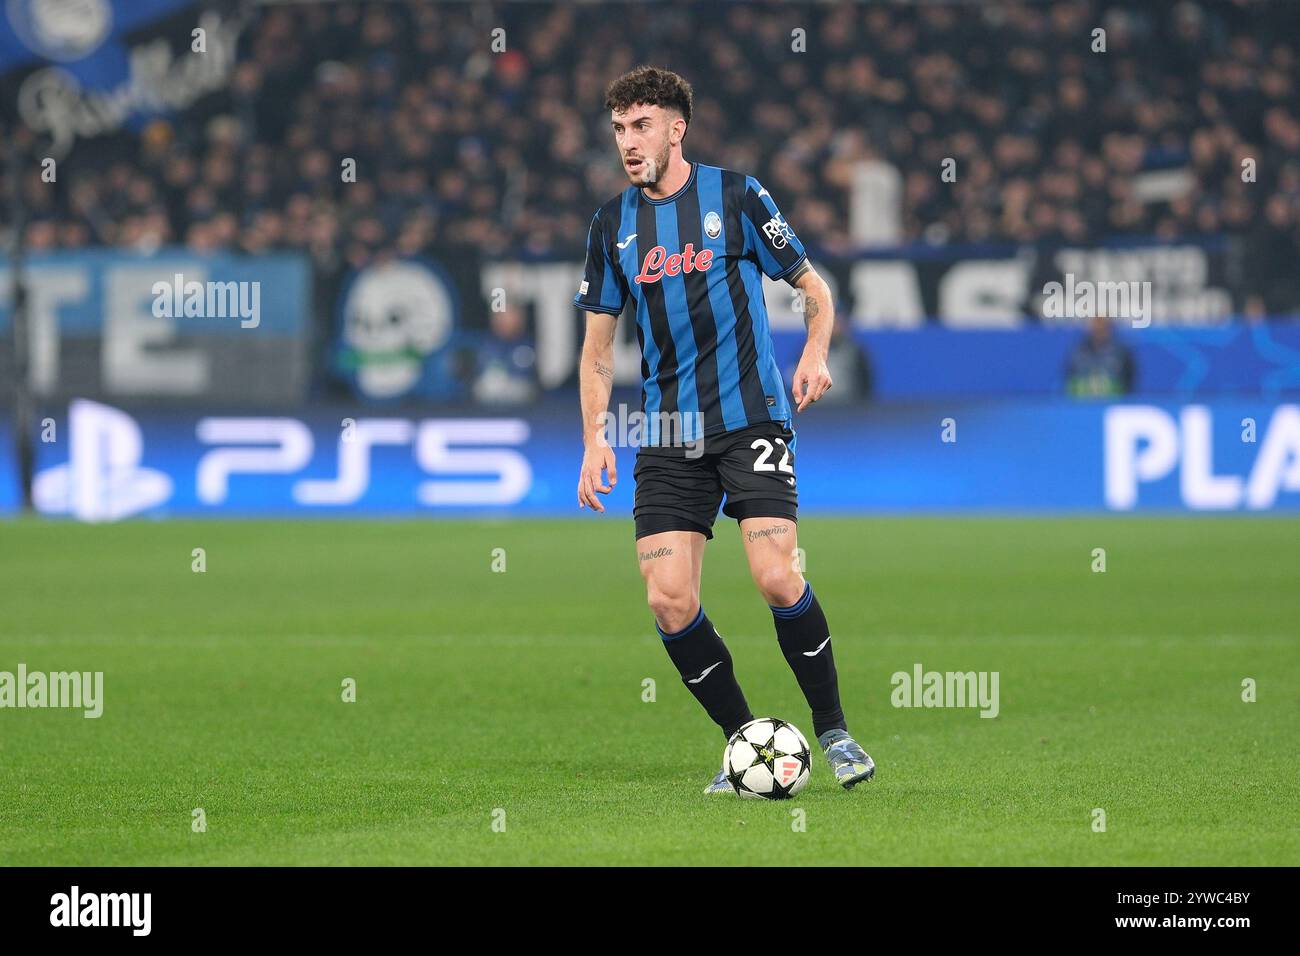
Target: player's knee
{"points": [[673, 610], [779, 584]]}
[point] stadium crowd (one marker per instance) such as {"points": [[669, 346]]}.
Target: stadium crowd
{"points": [[509, 152]]}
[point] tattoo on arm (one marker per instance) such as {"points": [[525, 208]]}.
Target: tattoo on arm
{"points": [[604, 370], [656, 553], [811, 308]]}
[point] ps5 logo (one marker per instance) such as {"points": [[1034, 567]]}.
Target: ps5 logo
{"points": [[104, 478], [284, 446]]}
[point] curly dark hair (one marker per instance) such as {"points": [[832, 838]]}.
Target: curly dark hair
{"points": [[651, 86]]}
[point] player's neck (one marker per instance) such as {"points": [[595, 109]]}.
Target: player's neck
{"points": [[679, 170]]}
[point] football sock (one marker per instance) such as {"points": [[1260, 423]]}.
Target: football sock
{"points": [[705, 665], [805, 640]]}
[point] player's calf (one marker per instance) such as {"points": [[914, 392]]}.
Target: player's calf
{"points": [[700, 656], [805, 640]]}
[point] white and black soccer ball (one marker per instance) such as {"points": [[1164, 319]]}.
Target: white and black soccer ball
{"points": [[767, 759]]}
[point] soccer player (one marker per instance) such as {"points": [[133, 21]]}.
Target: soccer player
{"points": [[686, 243]]}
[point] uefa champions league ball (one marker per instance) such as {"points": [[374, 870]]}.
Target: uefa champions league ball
{"points": [[767, 759]]}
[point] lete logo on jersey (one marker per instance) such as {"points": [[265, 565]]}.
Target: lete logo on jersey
{"points": [[658, 263]]}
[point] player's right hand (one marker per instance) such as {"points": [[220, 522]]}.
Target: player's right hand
{"points": [[597, 458]]}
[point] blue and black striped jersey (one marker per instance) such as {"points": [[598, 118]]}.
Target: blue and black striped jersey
{"points": [[691, 265]]}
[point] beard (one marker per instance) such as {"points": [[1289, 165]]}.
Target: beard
{"points": [[652, 167], [649, 172]]}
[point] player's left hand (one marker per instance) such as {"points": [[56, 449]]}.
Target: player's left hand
{"points": [[811, 380]]}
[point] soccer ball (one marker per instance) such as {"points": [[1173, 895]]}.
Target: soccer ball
{"points": [[767, 759]]}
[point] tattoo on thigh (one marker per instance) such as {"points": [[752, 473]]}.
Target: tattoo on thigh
{"points": [[766, 532], [656, 553]]}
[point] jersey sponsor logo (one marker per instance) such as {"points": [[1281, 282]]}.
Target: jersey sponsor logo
{"points": [[712, 225], [778, 232], [658, 263], [626, 242]]}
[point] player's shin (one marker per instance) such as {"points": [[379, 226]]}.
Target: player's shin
{"points": [[805, 640], [705, 665]]}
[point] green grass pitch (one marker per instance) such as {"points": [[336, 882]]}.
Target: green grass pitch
{"points": [[517, 696]]}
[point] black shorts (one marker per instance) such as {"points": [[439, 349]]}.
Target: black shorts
{"points": [[753, 466]]}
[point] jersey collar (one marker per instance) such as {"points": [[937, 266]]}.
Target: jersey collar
{"points": [[690, 181]]}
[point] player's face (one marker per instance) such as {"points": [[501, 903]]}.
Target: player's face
{"points": [[644, 138]]}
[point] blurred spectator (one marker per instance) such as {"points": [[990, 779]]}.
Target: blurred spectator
{"points": [[849, 365], [507, 361], [1273, 257], [1099, 365]]}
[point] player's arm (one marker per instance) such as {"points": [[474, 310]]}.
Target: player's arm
{"points": [[595, 381], [601, 296], [812, 378], [780, 254]]}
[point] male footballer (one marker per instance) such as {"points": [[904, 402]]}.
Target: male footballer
{"points": [[686, 243]]}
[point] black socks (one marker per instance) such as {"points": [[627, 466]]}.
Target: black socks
{"points": [[801, 630], [705, 665], [805, 640]]}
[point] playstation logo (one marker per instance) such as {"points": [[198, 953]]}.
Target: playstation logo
{"points": [[103, 479]]}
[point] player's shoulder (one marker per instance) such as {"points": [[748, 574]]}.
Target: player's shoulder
{"points": [[739, 174], [614, 203], [608, 213], [752, 185], [733, 175], [738, 184]]}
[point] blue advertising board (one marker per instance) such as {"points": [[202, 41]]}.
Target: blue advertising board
{"points": [[10, 491], [931, 361], [1230, 456]]}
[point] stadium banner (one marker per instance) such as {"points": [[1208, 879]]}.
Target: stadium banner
{"points": [[109, 462], [77, 70], [400, 332], [985, 320], [172, 325]]}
